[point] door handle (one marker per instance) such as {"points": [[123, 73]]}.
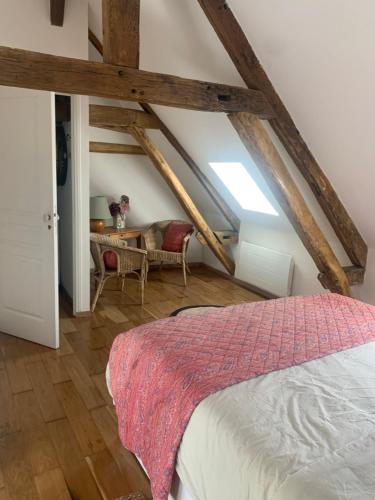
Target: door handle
{"points": [[49, 218]]}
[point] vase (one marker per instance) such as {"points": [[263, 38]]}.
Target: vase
{"points": [[119, 221]]}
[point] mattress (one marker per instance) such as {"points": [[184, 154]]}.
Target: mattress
{"points": [[305, 432]]}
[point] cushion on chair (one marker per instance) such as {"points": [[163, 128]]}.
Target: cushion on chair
{"points": [[110, 260], [174, 236]]}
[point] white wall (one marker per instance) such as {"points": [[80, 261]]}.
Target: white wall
{"points": [[27, 25], [319, 57]]}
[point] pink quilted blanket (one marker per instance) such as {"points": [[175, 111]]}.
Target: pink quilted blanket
{"points": [[162, 370]]}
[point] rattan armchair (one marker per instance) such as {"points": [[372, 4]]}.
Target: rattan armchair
{"points": [[129, 260], [156, 254]]}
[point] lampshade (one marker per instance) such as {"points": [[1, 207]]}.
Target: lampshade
{"points": [[99, 208]]}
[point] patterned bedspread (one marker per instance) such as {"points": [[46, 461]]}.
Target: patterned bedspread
{"points": [[162, 370]]}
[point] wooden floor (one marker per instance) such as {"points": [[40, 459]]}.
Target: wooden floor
{"points": [[58, 434]]}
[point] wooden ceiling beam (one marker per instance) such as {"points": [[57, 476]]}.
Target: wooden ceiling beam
{"points": [[57, 10], [265, 155], [221, 204], [34, 70], [182, 196], [244, 58], [121, 32], [121, 117], [120, 149], [113, 128]]}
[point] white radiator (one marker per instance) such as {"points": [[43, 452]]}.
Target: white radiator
{"points": [[266, 269]]}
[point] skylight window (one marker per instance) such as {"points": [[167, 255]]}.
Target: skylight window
{"points": [[243, 187]]}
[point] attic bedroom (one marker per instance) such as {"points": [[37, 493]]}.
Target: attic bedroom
{"points": [[187, 294]]}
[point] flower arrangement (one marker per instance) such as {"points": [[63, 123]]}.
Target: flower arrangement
{"points": [[114, 208], [119, 210], [124, 204]]}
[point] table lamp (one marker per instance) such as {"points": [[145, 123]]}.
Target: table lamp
{"points": [[99, 213]]}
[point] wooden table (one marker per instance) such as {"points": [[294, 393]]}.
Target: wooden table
{"points": [[126, 234]]}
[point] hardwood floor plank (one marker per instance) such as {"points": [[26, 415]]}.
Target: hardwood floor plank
{"points": [[29, 350], [4, 494], [83, 383], [108, 477], [125, 460], [65, 347], [17, 471], [139, 315], [8, 417], [116, 329], [92, 348], [28, 411], [2, 483], [84, 428], [114, 314], [76, 472], [18, 378], [55, 367], [7, 339], [92, 338], [100, 382], [44, 392], [39, 450], [94, 361], [67, 325], [51, 485], [88, 322]]}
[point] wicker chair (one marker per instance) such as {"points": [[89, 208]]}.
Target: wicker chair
{"points": [[129, 260], [157, 254]]}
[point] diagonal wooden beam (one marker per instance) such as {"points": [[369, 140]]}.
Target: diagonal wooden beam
{"points": [[212, 192], [109, 147], [221, 204], [244, 58], [57, 9], [95, 42], [33, 70], [260, 146], [120, 117], [121, 32], [183, 197]]}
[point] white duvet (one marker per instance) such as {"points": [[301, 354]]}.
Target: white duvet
{"points": [[303, 433]]}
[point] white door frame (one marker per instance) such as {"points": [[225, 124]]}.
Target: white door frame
{"points": [[81, 203]]}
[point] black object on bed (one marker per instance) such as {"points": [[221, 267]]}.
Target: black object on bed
{"points": [[180, 309]]}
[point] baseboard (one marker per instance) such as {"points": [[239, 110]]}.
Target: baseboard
{"points": [[174, 266], [242, 284], [82, 314]]}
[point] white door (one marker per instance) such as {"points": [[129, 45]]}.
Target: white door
{"points": [[28, 233]]}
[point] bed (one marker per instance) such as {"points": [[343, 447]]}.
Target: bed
{"points": [[306, 431]]}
